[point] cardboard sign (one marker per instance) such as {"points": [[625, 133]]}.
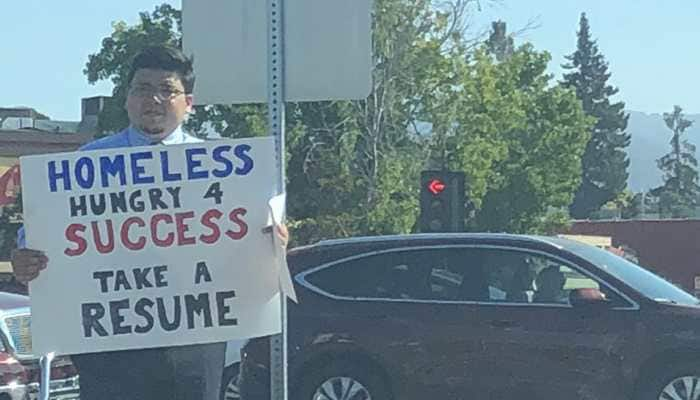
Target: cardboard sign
{"points": [[152, 246]]}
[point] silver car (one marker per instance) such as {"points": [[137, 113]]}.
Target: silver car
{"points": [[19, 368]]}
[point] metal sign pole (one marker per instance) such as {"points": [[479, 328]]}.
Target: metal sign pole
{"points": [[45, 383], [276, 122]]}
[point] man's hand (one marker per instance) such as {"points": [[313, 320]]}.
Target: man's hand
{"points": [[27, 264], [283, 234]]}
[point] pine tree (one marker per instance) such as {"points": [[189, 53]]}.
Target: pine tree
{"points": [[678, 196], [605, 162]]}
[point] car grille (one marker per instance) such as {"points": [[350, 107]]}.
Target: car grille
{"points": [[19, 327]]}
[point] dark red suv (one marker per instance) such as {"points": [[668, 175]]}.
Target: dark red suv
{"points": [[480, 316]]}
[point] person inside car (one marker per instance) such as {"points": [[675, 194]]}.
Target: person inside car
{"points": [[550, 286], [520, 284]]}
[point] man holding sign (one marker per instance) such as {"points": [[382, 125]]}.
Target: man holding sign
{"points": [[129, 228]]}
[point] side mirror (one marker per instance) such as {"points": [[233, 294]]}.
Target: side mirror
{"points": [[588, 298]]}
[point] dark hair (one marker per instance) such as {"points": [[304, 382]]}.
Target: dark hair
{"points": [[166, 58]]}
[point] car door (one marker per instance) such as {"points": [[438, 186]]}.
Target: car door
{"points": [[406, 312], [537, 345]]}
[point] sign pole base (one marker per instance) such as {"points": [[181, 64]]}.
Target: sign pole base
{"points": [[45, 384]]}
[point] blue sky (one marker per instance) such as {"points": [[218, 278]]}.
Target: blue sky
{"points": [[652, 46]]}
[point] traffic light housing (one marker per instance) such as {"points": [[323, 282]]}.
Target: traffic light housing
{"points": [[442, 201]]}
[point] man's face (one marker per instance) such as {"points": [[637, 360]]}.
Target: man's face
{"points": [[157, 103]]}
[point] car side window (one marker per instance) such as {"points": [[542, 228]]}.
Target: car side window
{"points": [[425, 274], [554, 283], [522, 277], [456, 274], [353, 278], [509, 275]]}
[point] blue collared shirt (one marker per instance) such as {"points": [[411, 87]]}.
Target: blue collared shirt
{"points": [[132, 137], [129, 137]]}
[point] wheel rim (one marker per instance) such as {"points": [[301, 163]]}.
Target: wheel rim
{"points": [[342, 388], [682, 388], [232, 392]]}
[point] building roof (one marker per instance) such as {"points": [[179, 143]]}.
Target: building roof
{"points": [[22, 112], [16, 143]]}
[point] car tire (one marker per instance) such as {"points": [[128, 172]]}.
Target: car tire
{"points": [[364, 381], [229, 383], [671, 379]]}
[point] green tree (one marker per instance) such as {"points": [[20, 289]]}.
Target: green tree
{"points": [[112, 62], [518, 138], [678, 196], [605, 161], [635, 206], [625, 206], [500, 44], [354, 166]]}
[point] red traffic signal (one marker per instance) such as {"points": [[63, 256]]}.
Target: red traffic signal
{"points": [[436, 186], [441, 201]]}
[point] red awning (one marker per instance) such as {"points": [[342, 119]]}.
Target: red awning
{"points": [[9, 186]]}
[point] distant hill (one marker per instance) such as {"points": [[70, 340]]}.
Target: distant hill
{"points": [[650, 141]]}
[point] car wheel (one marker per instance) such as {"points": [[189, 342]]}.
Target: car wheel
{"points": [[676, 383], [343, 381], [229, 383]]}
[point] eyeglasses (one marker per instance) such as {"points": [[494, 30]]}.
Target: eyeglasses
{"points": [[162, 94]]}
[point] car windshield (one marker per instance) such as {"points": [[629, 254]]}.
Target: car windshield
{"points": [[644, 281]]}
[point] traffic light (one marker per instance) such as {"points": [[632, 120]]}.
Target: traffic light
{"points": [[442, 201]]}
